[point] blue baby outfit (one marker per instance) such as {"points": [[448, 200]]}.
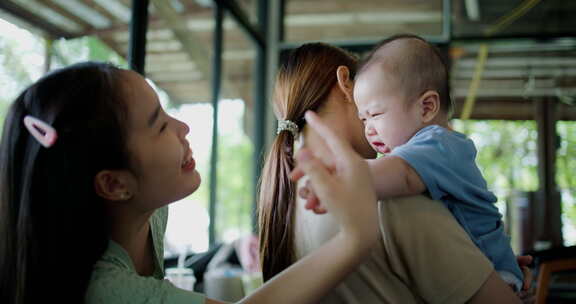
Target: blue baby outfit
{"points": [[445, 161]]}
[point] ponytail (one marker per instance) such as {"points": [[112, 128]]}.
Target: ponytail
{"points": [[276, 210], [304, 81]]}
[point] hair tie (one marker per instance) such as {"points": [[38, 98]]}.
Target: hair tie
{"points": [[44, 133], [287, 125]]}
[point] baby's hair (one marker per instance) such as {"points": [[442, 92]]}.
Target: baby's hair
{"points": [[420, 67], [53, 225]]}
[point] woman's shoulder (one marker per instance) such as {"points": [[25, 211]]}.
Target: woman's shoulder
{"points": [[111, 283], [403, 216], [409, 207], [428, 248]]}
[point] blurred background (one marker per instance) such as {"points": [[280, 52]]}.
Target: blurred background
{"points": [[513, 78]]}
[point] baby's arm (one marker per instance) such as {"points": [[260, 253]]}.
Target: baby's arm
{"points": [[392, 177]]}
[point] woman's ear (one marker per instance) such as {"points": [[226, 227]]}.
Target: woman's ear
{"points": [[429, 104], [115, 185], [345, 84]]}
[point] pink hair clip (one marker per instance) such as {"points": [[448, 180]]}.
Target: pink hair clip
{"points": [[44, 133]]}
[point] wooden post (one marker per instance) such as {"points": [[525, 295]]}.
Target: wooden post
{"points": [[549, 223]]}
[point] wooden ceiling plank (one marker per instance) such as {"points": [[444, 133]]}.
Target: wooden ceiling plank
{"points": [[191, 44], [35, 20], [66, 13]]}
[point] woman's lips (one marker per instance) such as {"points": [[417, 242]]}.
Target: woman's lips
{"points": [[189, 163]]}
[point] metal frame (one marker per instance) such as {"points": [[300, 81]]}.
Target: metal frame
{"points": [[216, 86], [254, 32], [138, 29], [260, 104], [257, 34]]}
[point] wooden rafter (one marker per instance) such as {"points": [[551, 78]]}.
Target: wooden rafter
{"points": [[191, 43]]}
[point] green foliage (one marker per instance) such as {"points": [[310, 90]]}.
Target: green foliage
{"points": [[507, 152], [234, 207], [507, 156], [21, 60], [566, 168], [67, 52]]}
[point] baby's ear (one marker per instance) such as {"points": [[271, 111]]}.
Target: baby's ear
{"points": [[345, 83], [429, 104], [114, 185]]}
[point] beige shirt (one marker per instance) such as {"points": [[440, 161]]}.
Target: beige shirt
{"points": [[424, 255]]}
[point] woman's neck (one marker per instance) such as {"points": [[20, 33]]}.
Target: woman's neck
{"points": [[132, 232], [315, 142]]}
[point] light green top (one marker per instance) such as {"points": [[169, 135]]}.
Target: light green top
{"points": [[115, 280]]}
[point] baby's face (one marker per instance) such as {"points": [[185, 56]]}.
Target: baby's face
{"points": [[390, 120]]}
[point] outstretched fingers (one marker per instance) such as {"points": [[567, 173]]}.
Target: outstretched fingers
{"points": [[320, 176]]}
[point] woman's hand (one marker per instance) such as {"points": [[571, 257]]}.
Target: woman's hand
{"points": [[527, 294], [524, 261], [345, 187]]}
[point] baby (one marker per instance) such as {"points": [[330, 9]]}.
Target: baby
{"points": [[402, 96]]}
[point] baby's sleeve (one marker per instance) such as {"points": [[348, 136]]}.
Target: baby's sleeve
{"points": [[445, 161], [430, 252]]}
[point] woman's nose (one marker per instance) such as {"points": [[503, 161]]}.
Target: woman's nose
{"points": [[183, 128]]}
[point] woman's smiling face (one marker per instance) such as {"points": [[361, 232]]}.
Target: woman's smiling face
{"points": [[161, 158]]}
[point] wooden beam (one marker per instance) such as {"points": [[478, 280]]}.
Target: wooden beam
{"points": [[190, 43], [34, 20], [510, 109], [122, 52], [114, 19], [85, 25], [516, 92], [550, 230]]}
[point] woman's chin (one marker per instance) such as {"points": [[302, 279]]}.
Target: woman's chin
{"points": [[197, 180]]}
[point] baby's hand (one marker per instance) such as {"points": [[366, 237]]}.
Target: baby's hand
{"points": [[312, 201], [347, 180]]}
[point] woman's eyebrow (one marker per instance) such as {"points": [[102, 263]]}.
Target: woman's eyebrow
{"points": [[154, 116]]}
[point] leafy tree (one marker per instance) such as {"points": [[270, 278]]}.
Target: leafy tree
{"points": [[566, 169], [507, 156], [234, 207]]}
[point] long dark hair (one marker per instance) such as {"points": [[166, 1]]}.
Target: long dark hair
{"points": [[53, 225], [304, 81]]}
